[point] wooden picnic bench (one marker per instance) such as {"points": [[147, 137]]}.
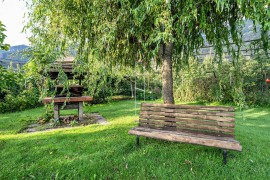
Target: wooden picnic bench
{"points": [[70, 103], [70, 97], [203, 125]]}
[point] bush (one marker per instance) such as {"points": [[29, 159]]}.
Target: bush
{"points": [[16, 92], [26, 99], [125, 87], [242, 83]]}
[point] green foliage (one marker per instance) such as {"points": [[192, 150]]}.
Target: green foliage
{"points": [[148, 95], [17, 92], [16, 102], [124, 86], [151, 83], [128, 31], [107, 35], [56, 123], [242, 83], [9, 81], [47, 116], [2, 37], [74, 123]]}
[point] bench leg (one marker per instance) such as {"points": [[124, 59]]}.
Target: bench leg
{"points": [[137, 140], [224, 156]]}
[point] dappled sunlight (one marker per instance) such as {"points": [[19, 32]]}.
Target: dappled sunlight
{"points": [[255, 117], [256, 112], [59, 131], [261, 126], [89, 129], [5, 117]]}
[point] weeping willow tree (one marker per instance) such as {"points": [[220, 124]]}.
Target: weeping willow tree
{"points": [[125, 32]]}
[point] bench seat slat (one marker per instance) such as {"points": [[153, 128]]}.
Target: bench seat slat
{"points": [[190, 133], [212, 141]]}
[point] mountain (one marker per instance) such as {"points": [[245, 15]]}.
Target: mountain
{"points": [[15, 54]]}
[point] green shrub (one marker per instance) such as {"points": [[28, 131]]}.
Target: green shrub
{"points": [[16, 91], [242, 83], [74, 123]]}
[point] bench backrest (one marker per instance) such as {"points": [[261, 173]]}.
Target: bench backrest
{"points": [[210, 120]]}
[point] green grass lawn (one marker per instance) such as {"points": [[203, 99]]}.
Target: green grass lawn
{"points": [[108, 152]]}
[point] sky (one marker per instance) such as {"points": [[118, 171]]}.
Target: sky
{"points": [[12, 16]]}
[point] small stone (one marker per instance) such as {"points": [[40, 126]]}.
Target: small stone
{"points": [[31, 130], [33, 125]]}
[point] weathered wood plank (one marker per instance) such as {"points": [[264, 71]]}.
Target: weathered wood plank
{"points": [[216, 108], [172, 136], [209, 133], [189, 121], [185, 129], [190, 126], [191, 133], [66, 99], [205, 117], [190, 111]]}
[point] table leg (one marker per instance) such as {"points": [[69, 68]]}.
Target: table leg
{"points": [[80, 111], [56, 111]]}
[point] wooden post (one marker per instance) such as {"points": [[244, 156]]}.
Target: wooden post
{"points": [[80, 111], [56, 111]]}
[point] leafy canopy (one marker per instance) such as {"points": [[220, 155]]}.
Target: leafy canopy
{"points": [[123, 31]]}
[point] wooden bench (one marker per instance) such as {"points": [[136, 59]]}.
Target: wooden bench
{"points": [[71, 103], [203, 125]]}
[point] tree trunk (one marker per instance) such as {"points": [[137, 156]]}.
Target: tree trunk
{"points": [[167, 76]]}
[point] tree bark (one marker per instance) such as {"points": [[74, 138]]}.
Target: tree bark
{"points": [[167, 74]]}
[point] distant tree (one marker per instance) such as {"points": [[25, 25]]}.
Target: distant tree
{"points": [[130, 31], [2, 37]]}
